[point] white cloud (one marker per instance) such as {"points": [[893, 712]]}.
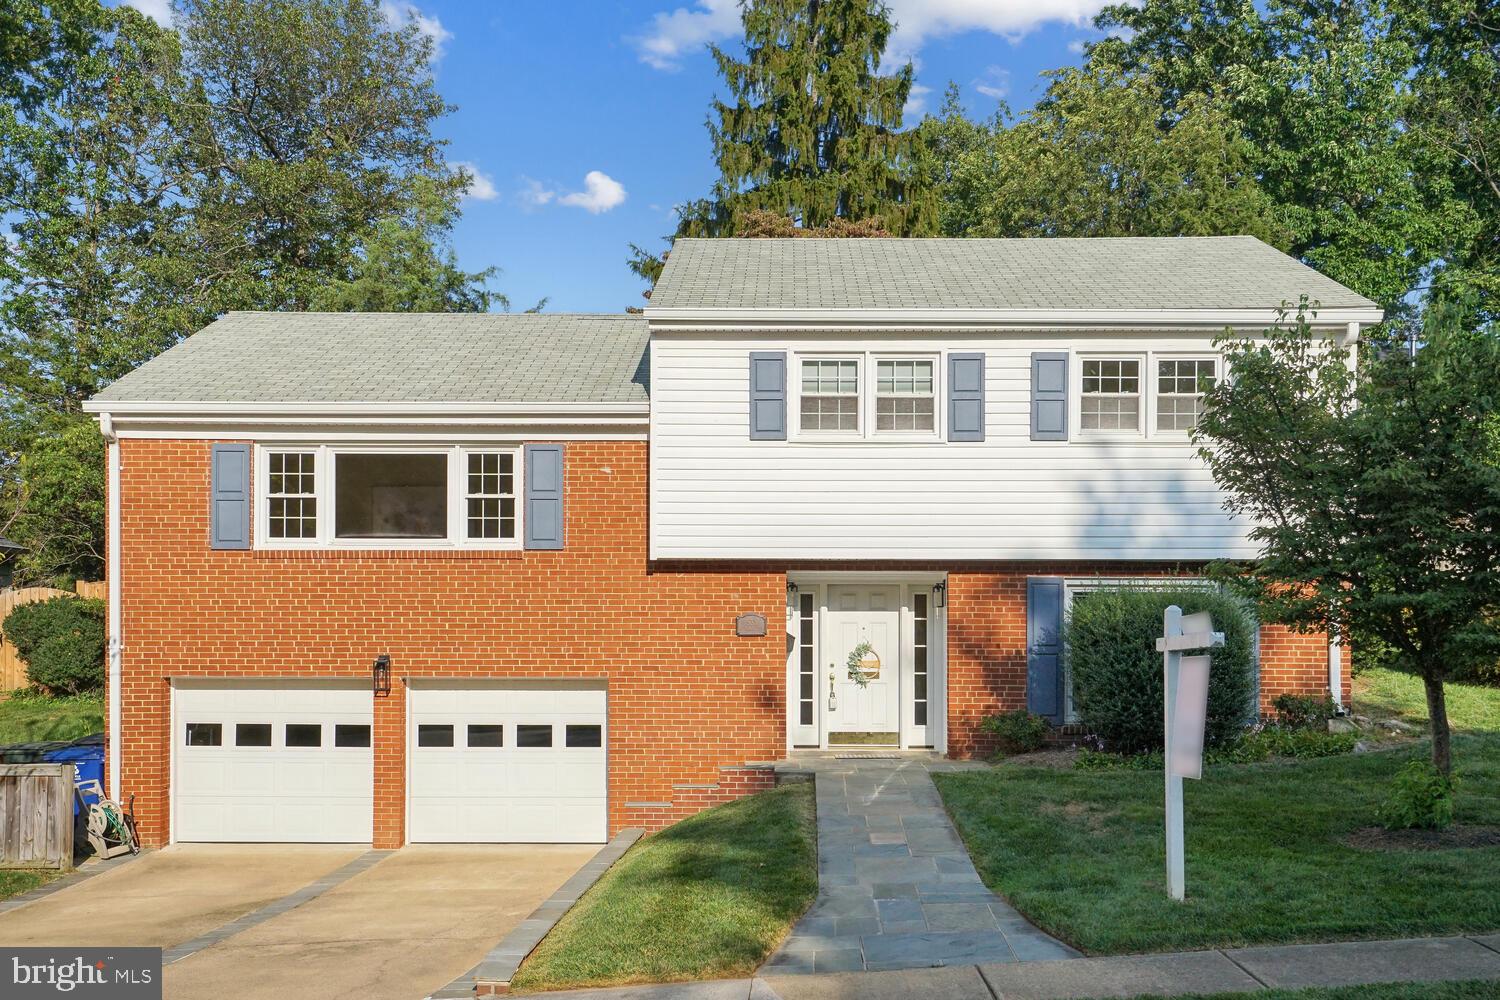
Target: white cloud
{"points": [[159, 11], [681, 31], [677, 33], [481, 187], [600, 193], [534, 194], [995, 83], [1076, 46], [399, 15]]}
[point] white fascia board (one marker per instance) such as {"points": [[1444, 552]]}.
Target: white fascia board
{"points": [[617, 421], [697, 320]]}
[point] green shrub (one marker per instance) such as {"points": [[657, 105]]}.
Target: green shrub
{"points": [[1303, 711], [1249, 748], [1117, 684], [1016, 732], [1421, 798], [62, 641]]}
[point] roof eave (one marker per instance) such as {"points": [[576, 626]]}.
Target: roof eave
{"points": [[906, 319], [222, 412]]}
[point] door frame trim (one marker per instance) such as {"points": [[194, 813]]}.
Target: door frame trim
{"points": [[937, 666]]}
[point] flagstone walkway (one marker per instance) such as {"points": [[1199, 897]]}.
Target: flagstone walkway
{"points": [[896, 888]]}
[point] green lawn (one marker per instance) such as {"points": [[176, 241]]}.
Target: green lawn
{"points": [[1385, 694], [1081, 854], [1469, 989], [13, 883], [708, 898], [27, 718]]}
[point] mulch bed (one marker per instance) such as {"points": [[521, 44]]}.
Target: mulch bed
{"points": [[1378, 838]]}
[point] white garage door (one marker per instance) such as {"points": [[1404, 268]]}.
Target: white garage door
{"points": [[518, 763], [273, 761]]}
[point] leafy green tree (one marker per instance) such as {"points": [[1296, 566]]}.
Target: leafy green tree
{"points": [[1375, 498], [273, 152], [408, 265], [1322, 90], [812, 128], [1093, 159], [316, 128]]}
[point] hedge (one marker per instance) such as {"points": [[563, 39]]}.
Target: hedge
{"points": [[62, 641], [1117, 672]]}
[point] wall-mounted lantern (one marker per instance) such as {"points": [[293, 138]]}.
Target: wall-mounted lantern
{"points": [[380, 675], [940, 595]]}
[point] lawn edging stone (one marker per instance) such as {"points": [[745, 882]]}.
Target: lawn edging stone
{"points": [[492, 976]]}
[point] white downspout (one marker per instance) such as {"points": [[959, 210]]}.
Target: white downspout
{"points": [[1350, 342], [112, 570]]}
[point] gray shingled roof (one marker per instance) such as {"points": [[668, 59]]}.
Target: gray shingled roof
{"points": [[399, 357], [1220, 272]]}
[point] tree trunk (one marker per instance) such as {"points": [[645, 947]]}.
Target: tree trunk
{"points": [[1437, 714]]}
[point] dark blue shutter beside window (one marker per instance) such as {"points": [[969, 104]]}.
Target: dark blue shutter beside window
{"points": [[768, 395], [1049, 396], [544, 496], [229, 502], [966, 397], [1044, 624]]}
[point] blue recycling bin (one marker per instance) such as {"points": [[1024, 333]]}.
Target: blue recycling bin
{"points": [[87, 757]]}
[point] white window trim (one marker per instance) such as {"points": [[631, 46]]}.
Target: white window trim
{"points": [[865, 367], [325, 489], [1143, 423], [1153, 357]]}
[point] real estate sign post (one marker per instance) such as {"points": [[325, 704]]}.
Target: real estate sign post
{"points": [[1185, 705]]}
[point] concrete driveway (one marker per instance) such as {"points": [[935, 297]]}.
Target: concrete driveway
{"points": [[404, 927], [408, 926], [167, 897]]}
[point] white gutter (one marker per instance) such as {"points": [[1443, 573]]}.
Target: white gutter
{"points": [[199, 408], [114, 639], [674, 318], [1336, 671]]}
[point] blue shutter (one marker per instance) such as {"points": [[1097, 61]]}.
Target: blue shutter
{"points": [[229, 501], [768, 395], [1049, 396], [1044, 648], [966, 397], [544, 496]]}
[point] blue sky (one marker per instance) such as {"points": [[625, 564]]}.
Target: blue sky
{"points": [[584, 119]]}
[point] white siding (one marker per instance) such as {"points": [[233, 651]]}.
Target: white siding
{"points": [[717, 494]]}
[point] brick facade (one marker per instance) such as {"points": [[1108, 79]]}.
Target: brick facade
{"points": [[690, 703], [679, 710]]}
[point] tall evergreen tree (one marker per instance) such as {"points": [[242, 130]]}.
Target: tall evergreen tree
{"points": [[812, 127]]}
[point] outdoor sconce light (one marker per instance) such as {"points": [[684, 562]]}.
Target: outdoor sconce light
{"points": [[939, 595], [791, 588], [381, 675]]}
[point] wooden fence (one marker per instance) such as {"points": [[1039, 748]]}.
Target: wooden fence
{"points": [[36, 816], [12, 667]]}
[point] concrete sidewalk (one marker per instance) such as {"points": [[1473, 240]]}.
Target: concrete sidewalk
{"points": [[1236, 970]]}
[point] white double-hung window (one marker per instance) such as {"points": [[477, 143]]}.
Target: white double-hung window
{"points": [[904, 396], [1110, 400], [830, 396], [867, 396], [1180, 386], [407, 497]]}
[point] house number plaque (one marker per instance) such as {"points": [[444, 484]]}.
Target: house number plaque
{"points": [[750, 624]]}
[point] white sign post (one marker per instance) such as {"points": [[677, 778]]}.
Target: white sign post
{"points": [[1185, 684]]}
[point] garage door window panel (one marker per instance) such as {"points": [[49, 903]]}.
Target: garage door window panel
{"points": [[351, 736], [533, 736], [301, 735], [583, 736], [429, 735], [486, 736], [252, 734], [205, 734]]}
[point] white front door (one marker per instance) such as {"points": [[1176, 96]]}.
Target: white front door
{"points": [[858, 615], [520, 762]]}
